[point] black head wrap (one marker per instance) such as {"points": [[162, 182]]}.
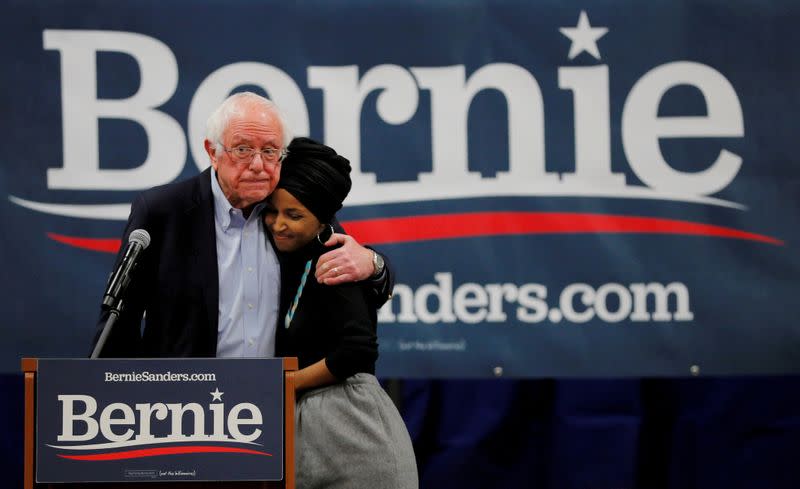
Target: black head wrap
{"points": [[316, 176]]}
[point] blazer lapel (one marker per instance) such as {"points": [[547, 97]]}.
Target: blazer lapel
{"points": [[201, 226]]}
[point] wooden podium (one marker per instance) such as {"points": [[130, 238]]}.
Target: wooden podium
{"points": [[30, 368]]}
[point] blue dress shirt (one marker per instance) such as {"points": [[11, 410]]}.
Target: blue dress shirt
{"points": [[249, 281]]}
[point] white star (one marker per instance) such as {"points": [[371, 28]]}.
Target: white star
{"points": [[584, 37], [216, 395]]}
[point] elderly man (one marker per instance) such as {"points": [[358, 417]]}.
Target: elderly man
{"points": [[210, 282]]}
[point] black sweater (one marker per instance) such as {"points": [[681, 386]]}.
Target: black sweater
{"points": [[337, 323]]}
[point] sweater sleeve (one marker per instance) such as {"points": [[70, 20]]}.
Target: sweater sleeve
{"points": [[356, 346]]}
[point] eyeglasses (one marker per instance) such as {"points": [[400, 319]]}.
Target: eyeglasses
{"points": [[246, 154]]}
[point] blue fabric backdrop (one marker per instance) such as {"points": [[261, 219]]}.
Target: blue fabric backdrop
{"points": [[564, 189]]}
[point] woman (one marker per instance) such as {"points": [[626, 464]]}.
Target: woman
{"points": [[349, 434]]}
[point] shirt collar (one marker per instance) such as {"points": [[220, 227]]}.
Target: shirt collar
{"points": [[222, 208]]}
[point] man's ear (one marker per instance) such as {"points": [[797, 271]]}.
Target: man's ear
{"points": [[211, 149]]}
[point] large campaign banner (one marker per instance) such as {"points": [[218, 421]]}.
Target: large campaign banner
{"points": [[563, 188]]}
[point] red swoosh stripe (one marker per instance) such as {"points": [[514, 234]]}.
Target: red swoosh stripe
{"points": [[444, 226], [94, 244], [449, 226], [155, 452]]}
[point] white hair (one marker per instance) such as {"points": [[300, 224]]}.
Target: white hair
{"points": [[232, 106]]}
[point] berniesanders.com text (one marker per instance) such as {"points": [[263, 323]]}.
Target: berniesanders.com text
{"points": [[168, 376], [471, 303]]}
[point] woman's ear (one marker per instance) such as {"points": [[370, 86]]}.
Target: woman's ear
{"points": [[325, 233]]}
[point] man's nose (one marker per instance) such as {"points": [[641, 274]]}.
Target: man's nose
{"points": [[258, 164]]}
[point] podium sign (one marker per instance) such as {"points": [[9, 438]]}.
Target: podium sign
{"points": [[159, 420]]}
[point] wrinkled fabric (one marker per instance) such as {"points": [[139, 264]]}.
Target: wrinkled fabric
{"points": [[350, 435]]}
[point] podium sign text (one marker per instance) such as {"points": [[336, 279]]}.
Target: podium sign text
{"points": [[160, 420]]}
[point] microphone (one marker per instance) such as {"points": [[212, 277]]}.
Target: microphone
{"points": [[138, 241]]}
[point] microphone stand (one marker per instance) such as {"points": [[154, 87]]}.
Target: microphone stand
{"points": [[112, 318], [118, 282]]}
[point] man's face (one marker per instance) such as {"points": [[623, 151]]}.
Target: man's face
{"points": [[245, 183]]}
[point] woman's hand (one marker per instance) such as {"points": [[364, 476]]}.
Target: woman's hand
{"points": [[315, 375]]}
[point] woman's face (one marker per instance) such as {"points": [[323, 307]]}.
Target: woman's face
{"points": [[289, 222]]}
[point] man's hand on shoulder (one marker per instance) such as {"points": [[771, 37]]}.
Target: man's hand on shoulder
{"points": [[349, 263]]}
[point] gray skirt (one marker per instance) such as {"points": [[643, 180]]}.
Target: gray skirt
{"points": [[350, 435]]}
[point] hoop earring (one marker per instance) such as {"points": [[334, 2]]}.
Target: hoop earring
{"points": [[322, 241]]}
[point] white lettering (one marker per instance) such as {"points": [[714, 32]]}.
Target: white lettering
{"points": [[145, 413], [661, 297], [139, 421], [467, 296], [642, 128], [566, 303], [443, 292], [81, 111], [219, 419], [69, 418], [445, 302], [344, 98], [532, 306], [178, 410], [601, 303], [234, 420], [451, 97], [498, 294], [589, 86], [107, 421]]}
